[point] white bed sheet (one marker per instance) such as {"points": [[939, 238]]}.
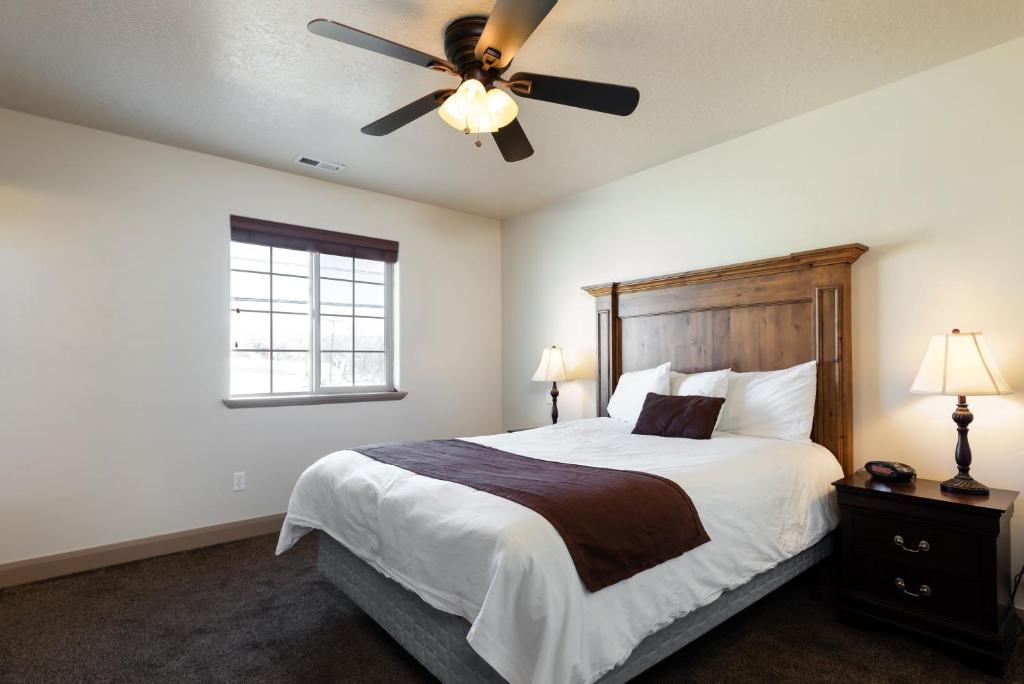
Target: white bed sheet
{"points": [[506, 570]]}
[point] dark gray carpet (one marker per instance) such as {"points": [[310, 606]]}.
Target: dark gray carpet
{"points": [[238, 613]]}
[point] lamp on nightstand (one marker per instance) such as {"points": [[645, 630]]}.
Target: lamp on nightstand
{"points": [[960, 364], [552, 369]]}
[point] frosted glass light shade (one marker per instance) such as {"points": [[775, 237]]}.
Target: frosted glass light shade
{"points": [[552, 366], [503, 109], [959, 364], [475, 109]]}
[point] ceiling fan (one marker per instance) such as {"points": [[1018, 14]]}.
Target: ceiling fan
{"points": [[479, 50]]}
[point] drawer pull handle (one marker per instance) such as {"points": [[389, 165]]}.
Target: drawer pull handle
{"points": [[925, 590], [921, 545]]}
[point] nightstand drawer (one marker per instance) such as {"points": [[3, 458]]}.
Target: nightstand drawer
{"points": [[917, 544], [917, 588]]}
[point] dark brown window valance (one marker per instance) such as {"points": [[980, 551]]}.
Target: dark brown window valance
{"points": [[274, 234]]}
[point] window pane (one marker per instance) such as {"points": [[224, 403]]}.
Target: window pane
{"points": [[291, 331], [290, 261], [369, 300], [250, 291], [250, 372], [250, 257], [250, 330], [291, 372], [372, 271], [335, 297], [370, 334], [370, 369], [291, 294], [335, 266], [335, 333], [336, 369]]}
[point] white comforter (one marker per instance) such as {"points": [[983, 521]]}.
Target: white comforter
{"points": [[506, 570]]}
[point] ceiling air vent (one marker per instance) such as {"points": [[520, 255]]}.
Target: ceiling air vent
{"points": [[319, 164]]}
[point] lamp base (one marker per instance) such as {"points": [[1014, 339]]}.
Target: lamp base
{"points": [[962, 484]]}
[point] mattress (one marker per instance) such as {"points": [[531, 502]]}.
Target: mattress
{"points": [[506, 571]]}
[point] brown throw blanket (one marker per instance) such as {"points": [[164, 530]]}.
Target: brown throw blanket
{"points": [[615, 523]]}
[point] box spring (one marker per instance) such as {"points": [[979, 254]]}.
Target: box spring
{"points": [[438, 639]]}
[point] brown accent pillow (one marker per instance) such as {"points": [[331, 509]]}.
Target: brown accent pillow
{"points": [[691, 417]]}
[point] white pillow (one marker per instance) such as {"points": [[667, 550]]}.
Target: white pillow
{"points": [[628, 399], [772, 403], [709, 384]]}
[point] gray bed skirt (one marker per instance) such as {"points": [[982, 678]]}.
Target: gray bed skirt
{"points": [[438, 639]]}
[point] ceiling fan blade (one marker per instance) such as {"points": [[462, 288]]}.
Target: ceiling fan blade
{"points": [[407, 114], [510, 24], [512, 142], [600, 97], [368, 41]]}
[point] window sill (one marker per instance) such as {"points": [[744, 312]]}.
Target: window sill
{"points": [[309, 399]]}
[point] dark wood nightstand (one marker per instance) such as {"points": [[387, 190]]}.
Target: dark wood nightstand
{"points": [[938, 564]]}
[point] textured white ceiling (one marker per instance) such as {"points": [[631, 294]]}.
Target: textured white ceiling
{"points": [[245, 80]]}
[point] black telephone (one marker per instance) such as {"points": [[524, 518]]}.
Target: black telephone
{"points": [[890, 471]]}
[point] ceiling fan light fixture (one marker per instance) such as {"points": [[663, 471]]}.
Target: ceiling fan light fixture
{"points": [[474, 109], [479, 50]]}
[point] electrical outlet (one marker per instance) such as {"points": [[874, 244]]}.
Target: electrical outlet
{"points": [[238, 481]]}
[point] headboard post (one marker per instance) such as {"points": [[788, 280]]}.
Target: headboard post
{"points": [[609, 347], [759, 315]]}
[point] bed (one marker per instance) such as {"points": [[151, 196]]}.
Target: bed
{"points": [[478, 588]]}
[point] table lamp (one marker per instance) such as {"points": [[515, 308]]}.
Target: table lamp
{"points": [[960, 364], [552, 369]]}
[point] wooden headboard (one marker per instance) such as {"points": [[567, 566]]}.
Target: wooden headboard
{"points": [[759, 315]]}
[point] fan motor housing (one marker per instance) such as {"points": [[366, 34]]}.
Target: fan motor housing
{"points": [[460, 39]]}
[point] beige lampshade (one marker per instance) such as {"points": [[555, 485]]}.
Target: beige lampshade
{"points": [[552, 366], [959, 364]]}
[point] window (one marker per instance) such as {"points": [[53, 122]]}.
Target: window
{"points": [[311, 312]]}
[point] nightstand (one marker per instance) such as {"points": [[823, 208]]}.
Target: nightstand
{"points": [[937, 564]]}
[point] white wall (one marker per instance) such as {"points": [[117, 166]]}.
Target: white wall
{"points": [[928, 172], [114, 336]]}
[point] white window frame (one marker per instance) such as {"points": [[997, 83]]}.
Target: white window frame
{"points": [[318, 393]]}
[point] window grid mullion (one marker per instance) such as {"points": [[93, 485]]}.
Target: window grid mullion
{"points": [[271, 309], [279, 313], [314, 340], [389, 331], [372, 318], [353, 322], [283, 275], [348, 280]]}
